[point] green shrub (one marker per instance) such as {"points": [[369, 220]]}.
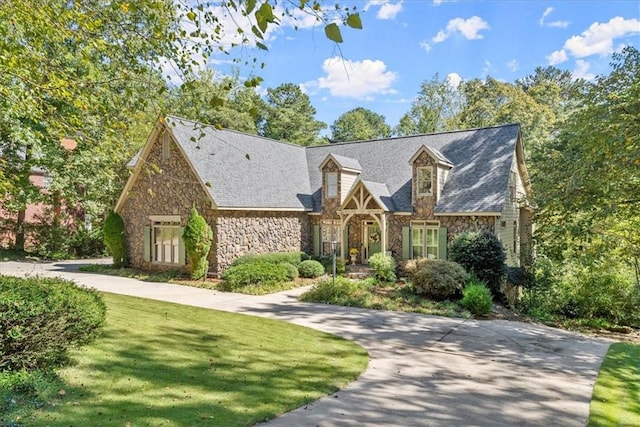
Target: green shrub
{"points": [[476, 297], [41, 318], [292, 270], [310, 269], [327, 263], [253, 274], [198, 238], [343, 292], [384, 267], [294, 258], [482, 254], [114, 238], [437, 279]]}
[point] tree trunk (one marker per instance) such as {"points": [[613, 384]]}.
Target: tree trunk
{"points": [[19, 230]]}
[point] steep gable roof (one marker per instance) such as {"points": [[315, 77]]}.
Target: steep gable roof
{"points": [[241, 171], [477, 182]]}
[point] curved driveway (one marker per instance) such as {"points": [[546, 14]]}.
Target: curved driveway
{"points": [[423, 370]]}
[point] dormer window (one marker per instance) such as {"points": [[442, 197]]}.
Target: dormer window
{"points": [[424, 183], [331, 182]]}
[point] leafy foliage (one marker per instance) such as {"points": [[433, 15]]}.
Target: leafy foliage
{"points": [[437, 279], [294, 258], [436, 108], [384, 266], [310, 269], [476, 297], [41, 318], [255, 273], [481, 253], [115, 239], [327, 263], [290, 116], [359, 124], [198, 238]]}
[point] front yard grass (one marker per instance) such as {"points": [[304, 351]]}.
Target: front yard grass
{"points": [[166, 364], [616, 395]]}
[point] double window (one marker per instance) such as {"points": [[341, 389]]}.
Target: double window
{"points": [[424, 240]]}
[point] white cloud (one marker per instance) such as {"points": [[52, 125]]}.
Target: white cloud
{"points": [[389, 10], [556, 24], [469, 28], [453, 79], [356, 79], [557, 57], [425, 45], [488, 67], [513, 65], [598, 38], [582, 70]]}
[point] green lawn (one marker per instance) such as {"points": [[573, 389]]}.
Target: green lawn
{"points": [[171, 365], [616, 395]]}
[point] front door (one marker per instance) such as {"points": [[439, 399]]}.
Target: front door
{"points": [[372, 240]]}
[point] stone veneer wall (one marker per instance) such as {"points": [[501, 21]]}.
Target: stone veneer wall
{"points": [[423, 205], [170, 191], [330, 206], [253, 232]]}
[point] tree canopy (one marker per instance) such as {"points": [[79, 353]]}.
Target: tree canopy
{"points": [[359, 124]]}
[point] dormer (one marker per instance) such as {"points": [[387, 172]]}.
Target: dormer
{"points": [[430, 171], [339, 173]]}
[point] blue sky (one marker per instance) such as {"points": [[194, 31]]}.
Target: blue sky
{"points": [[404, 43]]}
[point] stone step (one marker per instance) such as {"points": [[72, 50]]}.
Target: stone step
{"points": [[358, 274]]}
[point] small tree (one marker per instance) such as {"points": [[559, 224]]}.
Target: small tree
{"points": [[114, 238], [198, 238], [481, 253]]}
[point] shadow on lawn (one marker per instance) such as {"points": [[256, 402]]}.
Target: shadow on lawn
{"points": [[211, 382]]}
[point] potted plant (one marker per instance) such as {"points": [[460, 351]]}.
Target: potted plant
{"points": [[353, 253]]}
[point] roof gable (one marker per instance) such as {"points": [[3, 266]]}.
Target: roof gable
{"points": [[241, 171]]}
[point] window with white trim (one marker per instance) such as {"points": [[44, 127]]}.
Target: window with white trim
{"points": [[424, 180], [331, 182], [424, 240], [165, 242], [330, 232]]}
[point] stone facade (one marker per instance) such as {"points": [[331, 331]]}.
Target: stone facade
{"points": [[165, 186], [423, 205], [331, 205], [253, 232]]}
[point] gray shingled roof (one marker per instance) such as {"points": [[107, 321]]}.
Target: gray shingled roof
{"points": [[247, 171]]}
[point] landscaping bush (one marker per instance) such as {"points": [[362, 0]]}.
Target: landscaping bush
{"points": [[292, 271], [197, 237], [437, 279], [41, 318], [327, 263], [343, 292], [476, 297], [384, 267], [114, 238], [481, 253], [254, 273], [310, 269], [294, 258]]}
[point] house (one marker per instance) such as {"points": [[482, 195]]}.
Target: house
{"points": [[33, 213], [407, 196]]}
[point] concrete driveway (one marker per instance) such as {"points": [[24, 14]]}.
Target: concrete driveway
{"points": [[423, 370]]}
